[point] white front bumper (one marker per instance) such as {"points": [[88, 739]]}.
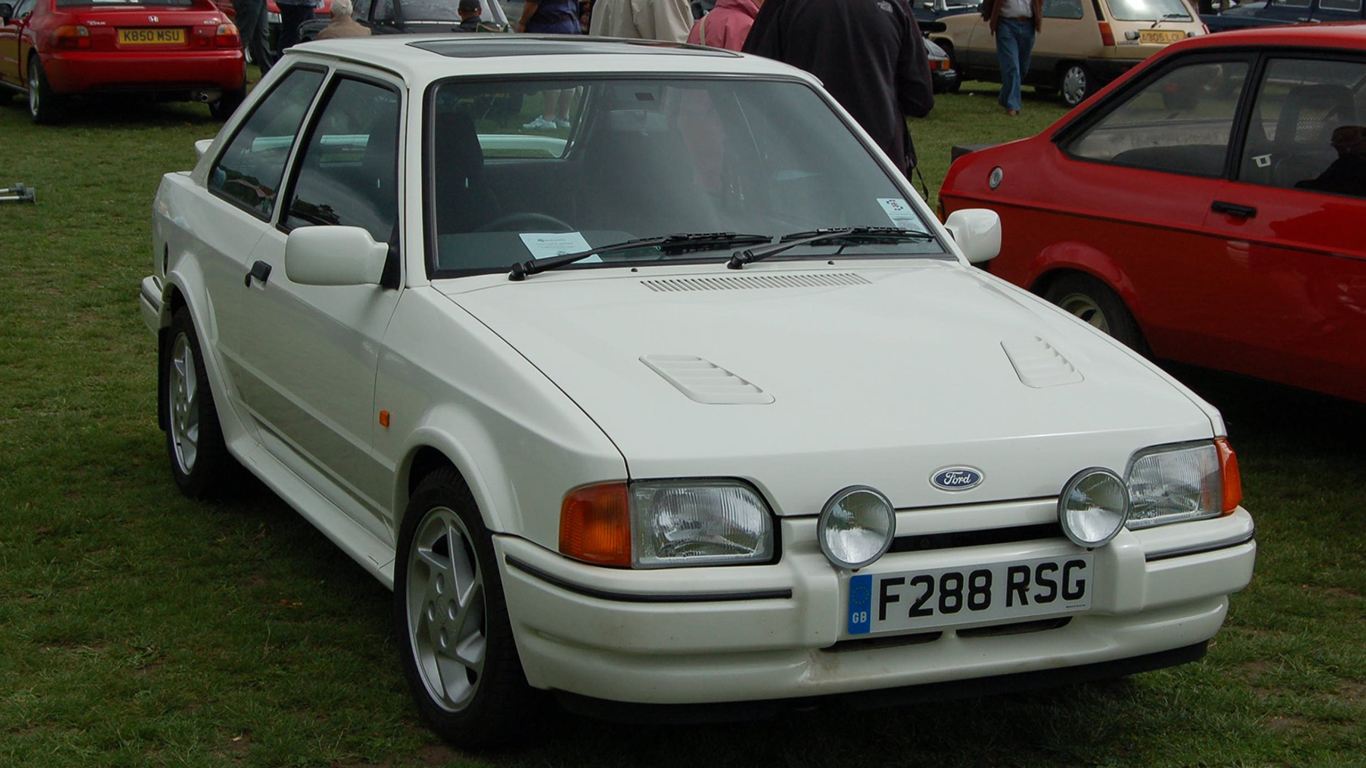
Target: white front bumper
{"points": [[703, 635]]}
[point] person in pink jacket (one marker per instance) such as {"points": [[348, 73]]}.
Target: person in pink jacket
{"points": [[727, 25]]}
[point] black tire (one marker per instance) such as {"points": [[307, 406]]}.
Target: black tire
{"points": [[486, 701], [200, 462], [44, 106], [226, 104], [1094, 303], [1075, 83]]}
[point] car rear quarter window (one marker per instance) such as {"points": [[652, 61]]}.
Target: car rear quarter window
{"points": [[249, 171], [1062, 9], [1179, 122], [1349, 6], [1149, 10], [348, 171], [1307, 129]]}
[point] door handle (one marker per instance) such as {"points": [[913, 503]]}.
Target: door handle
{"points": [[260, 270], [1232, 209]]}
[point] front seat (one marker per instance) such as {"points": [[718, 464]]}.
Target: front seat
{"points": [[462, 202]]}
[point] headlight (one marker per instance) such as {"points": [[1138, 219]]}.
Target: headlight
{"points": [[1093, 507], [698, 522], [856, 527], [1173, 483]]}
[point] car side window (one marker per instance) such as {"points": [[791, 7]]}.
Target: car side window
{"points": [[1288, 4], [249, 171], [24, 8], [1179, 122], [1308, 127], [348, 171], [362, 9], [383, 11], [1348, 6], [1062, 9]]}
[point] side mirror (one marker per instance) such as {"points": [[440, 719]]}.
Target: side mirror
{"points": [[6, 13], [977, 232], [334, 256]]}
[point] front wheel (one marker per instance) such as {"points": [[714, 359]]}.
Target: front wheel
{"points": [[1094, 303], [1075, 84], [455, 637]]}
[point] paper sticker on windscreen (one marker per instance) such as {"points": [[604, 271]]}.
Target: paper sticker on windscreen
{"points": [[546, 244]]}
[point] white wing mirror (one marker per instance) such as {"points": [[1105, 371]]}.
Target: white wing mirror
{"points": [[334, 256], [977, 232]]}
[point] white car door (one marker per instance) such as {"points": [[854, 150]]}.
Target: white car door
{"points": [[309, 352], [247, 174]]}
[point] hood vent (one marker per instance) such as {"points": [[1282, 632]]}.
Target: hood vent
{"points": [[706, 382], [1038, 364], [753, 282]]}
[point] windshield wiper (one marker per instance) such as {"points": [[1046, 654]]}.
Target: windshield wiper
{"points": [[1170, 17], [840, 235], [698, 241]]}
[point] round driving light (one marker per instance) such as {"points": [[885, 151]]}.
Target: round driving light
{"points": [[856, 527], [1093, 507]]}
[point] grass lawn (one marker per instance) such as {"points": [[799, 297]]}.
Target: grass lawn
{"points": [[138, 628]]}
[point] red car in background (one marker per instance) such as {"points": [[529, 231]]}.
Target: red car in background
{"points": [[175, 49], [1209, 207]]}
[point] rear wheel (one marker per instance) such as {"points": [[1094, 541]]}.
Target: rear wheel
{"points": [[455, 636], [1094, 303], [1075, 83], [200, 461], [226, 104], [44, 106]]}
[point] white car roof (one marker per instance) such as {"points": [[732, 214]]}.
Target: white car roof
{"points": [[420, 59]]}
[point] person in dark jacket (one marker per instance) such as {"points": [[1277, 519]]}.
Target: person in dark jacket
{"points": [[293, 13], [251, 26], [869, 54]]}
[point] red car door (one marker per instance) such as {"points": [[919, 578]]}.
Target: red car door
{"points": [[1291, 230]]}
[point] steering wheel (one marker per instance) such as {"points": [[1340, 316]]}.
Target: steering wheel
{"points": [[525, 217]]}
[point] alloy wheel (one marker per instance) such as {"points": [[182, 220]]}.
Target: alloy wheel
{"points": [[183, 396], [446, 610], [35, 74]]}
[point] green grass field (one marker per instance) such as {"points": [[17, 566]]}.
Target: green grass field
{"points": [[138, 628]]}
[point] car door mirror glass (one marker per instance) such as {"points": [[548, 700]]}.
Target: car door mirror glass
{"points": [[334, 256], [977, 232]]}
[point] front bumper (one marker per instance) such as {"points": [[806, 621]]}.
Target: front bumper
{"points": [[89, 72], [709, 635]]}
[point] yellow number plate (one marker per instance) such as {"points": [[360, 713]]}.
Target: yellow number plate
{"points": [[1160, 36], [152, 36]]}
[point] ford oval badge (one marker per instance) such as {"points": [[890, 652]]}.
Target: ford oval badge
{"points": [[956, 479]]}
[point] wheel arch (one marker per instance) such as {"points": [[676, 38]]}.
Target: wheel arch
{"points": [[432, 447]]}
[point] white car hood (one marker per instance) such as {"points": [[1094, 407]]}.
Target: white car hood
{"points": [[811, 380]]}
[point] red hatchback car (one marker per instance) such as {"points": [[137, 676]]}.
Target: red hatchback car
{"points": [[1209, 207], [175, 49]]}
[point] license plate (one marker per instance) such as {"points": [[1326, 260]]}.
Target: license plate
{"points": [[1160, 36], [151, 36], [913, 600]]}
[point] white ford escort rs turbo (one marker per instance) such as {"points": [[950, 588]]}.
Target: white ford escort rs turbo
{"points": [[677, 396]]}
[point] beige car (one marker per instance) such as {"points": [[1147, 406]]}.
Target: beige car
{"points": [[1084, 43]]}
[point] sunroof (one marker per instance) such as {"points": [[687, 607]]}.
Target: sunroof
{"points": [[483, 46]]}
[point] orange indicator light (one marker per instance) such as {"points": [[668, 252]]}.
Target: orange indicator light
{"points": [[384, 418]]}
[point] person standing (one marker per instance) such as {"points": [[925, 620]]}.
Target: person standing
{"points": [[293, 13], [869, 54], [726, 25], [251, 25], [666, 20], [553, 17], [342, 25], [1014, 23]]}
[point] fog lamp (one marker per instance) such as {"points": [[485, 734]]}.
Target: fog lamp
{"points": [[1093, 507], [856, 527]]}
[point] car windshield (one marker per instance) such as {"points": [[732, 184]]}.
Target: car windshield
{"points": [[1149, 10], [532, 169]]}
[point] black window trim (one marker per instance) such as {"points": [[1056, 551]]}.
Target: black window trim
{"points": [[293, 147], [429, 255], [1085, 122], [394, 267]]}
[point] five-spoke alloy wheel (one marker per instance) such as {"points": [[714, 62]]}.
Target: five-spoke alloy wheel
{"points": [[460, 658], [200, 461]]}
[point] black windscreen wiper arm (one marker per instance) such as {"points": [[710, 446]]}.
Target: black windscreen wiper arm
{"points": [[680, 242], [825, 236]]}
